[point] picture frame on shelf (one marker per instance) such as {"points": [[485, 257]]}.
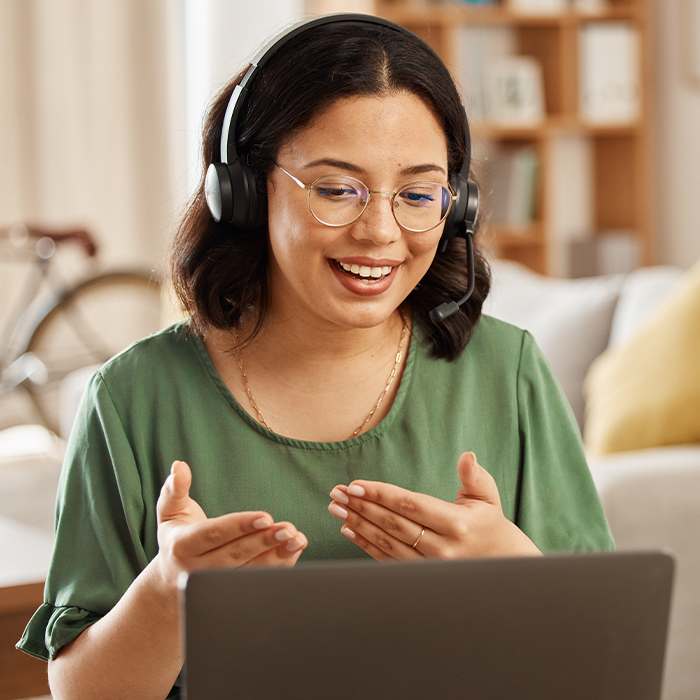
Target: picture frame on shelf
{"points": [[516, 92]]}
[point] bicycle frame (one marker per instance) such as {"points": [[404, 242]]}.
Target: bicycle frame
{"points": [[16, 365]]}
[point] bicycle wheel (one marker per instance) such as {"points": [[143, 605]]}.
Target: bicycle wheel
{"points": [[94, 321]]}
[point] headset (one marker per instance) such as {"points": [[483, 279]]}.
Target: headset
{"points": [[230, 186]]}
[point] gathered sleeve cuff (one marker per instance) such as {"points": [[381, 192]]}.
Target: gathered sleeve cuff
{"points": [[52, 627]]}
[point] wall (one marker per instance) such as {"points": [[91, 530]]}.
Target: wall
{"points": [[678, 131], [89, 120], [220, 36]]}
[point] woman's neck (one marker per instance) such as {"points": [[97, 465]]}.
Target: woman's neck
{"points": [[311, 381], [298, 345]]}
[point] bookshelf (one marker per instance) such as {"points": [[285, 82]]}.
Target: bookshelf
{"points": [[594, 178]]}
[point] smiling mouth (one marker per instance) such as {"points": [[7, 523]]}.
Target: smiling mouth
{"points": [[368, 275]]}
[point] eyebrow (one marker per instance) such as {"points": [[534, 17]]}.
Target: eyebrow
{"points": [[343, 165]]}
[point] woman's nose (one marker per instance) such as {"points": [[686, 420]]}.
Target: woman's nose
{"points": [[377, 222]]}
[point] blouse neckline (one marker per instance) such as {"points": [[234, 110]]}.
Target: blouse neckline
{"points": [[371, 434]]}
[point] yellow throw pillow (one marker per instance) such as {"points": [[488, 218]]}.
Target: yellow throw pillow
{"points": [[646, 392]]}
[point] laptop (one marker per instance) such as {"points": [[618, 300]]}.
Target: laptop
{"points": [[569, 627]]}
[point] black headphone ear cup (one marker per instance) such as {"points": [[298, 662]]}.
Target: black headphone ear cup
{"points": [[218, 192], [232, 195], [455, 219], [245, 195]]}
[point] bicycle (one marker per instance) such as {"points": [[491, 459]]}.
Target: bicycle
{"points": [[55, 328]]}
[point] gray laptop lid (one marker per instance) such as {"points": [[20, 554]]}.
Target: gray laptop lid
{"points": [[553, 628]]}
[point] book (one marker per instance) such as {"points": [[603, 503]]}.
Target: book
{"points": [[512, 184], [609, 80]]}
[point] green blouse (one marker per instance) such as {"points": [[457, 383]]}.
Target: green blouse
{"points": [[162, 400]]}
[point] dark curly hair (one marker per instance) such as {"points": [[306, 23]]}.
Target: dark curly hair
{"points": [[219, 271]]}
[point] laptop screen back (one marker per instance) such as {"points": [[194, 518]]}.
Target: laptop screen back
{"points": [[579, 627]]}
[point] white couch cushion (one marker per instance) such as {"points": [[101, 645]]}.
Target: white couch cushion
{"points": [[25, 553], [30, 465], [569, 319], [642, 290], [652, 501]]}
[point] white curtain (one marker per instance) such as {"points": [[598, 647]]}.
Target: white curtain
{"points": [[91, 120]]}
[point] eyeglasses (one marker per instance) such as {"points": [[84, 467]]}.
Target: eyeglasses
{"points": [[339, 200]]}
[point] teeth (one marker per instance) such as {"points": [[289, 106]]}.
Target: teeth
{"points": [[364, 271]]}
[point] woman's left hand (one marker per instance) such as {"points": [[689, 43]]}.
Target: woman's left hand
{"points": [[389, 522]]}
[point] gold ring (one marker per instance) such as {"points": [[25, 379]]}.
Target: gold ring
{"points": [[415, 544]]}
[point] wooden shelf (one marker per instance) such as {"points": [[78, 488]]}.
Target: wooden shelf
{"points": [[617, 170], [21, 675], [517, 237], [447, 14], [550, 128]]}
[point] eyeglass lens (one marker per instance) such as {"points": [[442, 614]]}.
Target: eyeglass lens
{"points": [[340, 200]]}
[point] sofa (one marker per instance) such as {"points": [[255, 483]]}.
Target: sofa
{"points": [[651, 496]]}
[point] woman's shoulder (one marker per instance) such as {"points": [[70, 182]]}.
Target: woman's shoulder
{"points": [[490, 329], [488, 367], [164, 355], [495, 342], [173, 340]]}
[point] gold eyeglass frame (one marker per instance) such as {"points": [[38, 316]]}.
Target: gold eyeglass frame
{"points": [[309, 188]]}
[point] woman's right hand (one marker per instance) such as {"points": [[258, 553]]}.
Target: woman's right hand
{"points": [[189, 540]]}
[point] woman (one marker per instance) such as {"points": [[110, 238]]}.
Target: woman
{"points": [[309, 365]]}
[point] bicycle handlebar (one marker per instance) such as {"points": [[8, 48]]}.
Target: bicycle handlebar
{"points": [[80, 236]]}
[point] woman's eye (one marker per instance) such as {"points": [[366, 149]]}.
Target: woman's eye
{"points": [[335, 191], [417, 197]]}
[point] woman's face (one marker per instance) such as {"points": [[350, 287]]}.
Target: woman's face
{"points": [[386, 142]]}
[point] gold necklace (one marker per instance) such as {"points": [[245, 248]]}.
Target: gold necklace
{"points": [[251, 398]]}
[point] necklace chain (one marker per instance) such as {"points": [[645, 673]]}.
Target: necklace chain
{"points": [[397, 361]]}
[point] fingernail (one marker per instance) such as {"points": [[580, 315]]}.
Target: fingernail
{"points": [[356, 490], [295, 544], [338, 495], [338, 511], [261, 523], [172, 468], [283, 535], [347, 532]]}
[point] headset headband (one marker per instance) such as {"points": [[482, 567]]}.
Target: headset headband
{"points": [[229, 152]]}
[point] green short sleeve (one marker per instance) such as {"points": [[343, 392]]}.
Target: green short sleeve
{"points": [[99, 525], [559, 506]]}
